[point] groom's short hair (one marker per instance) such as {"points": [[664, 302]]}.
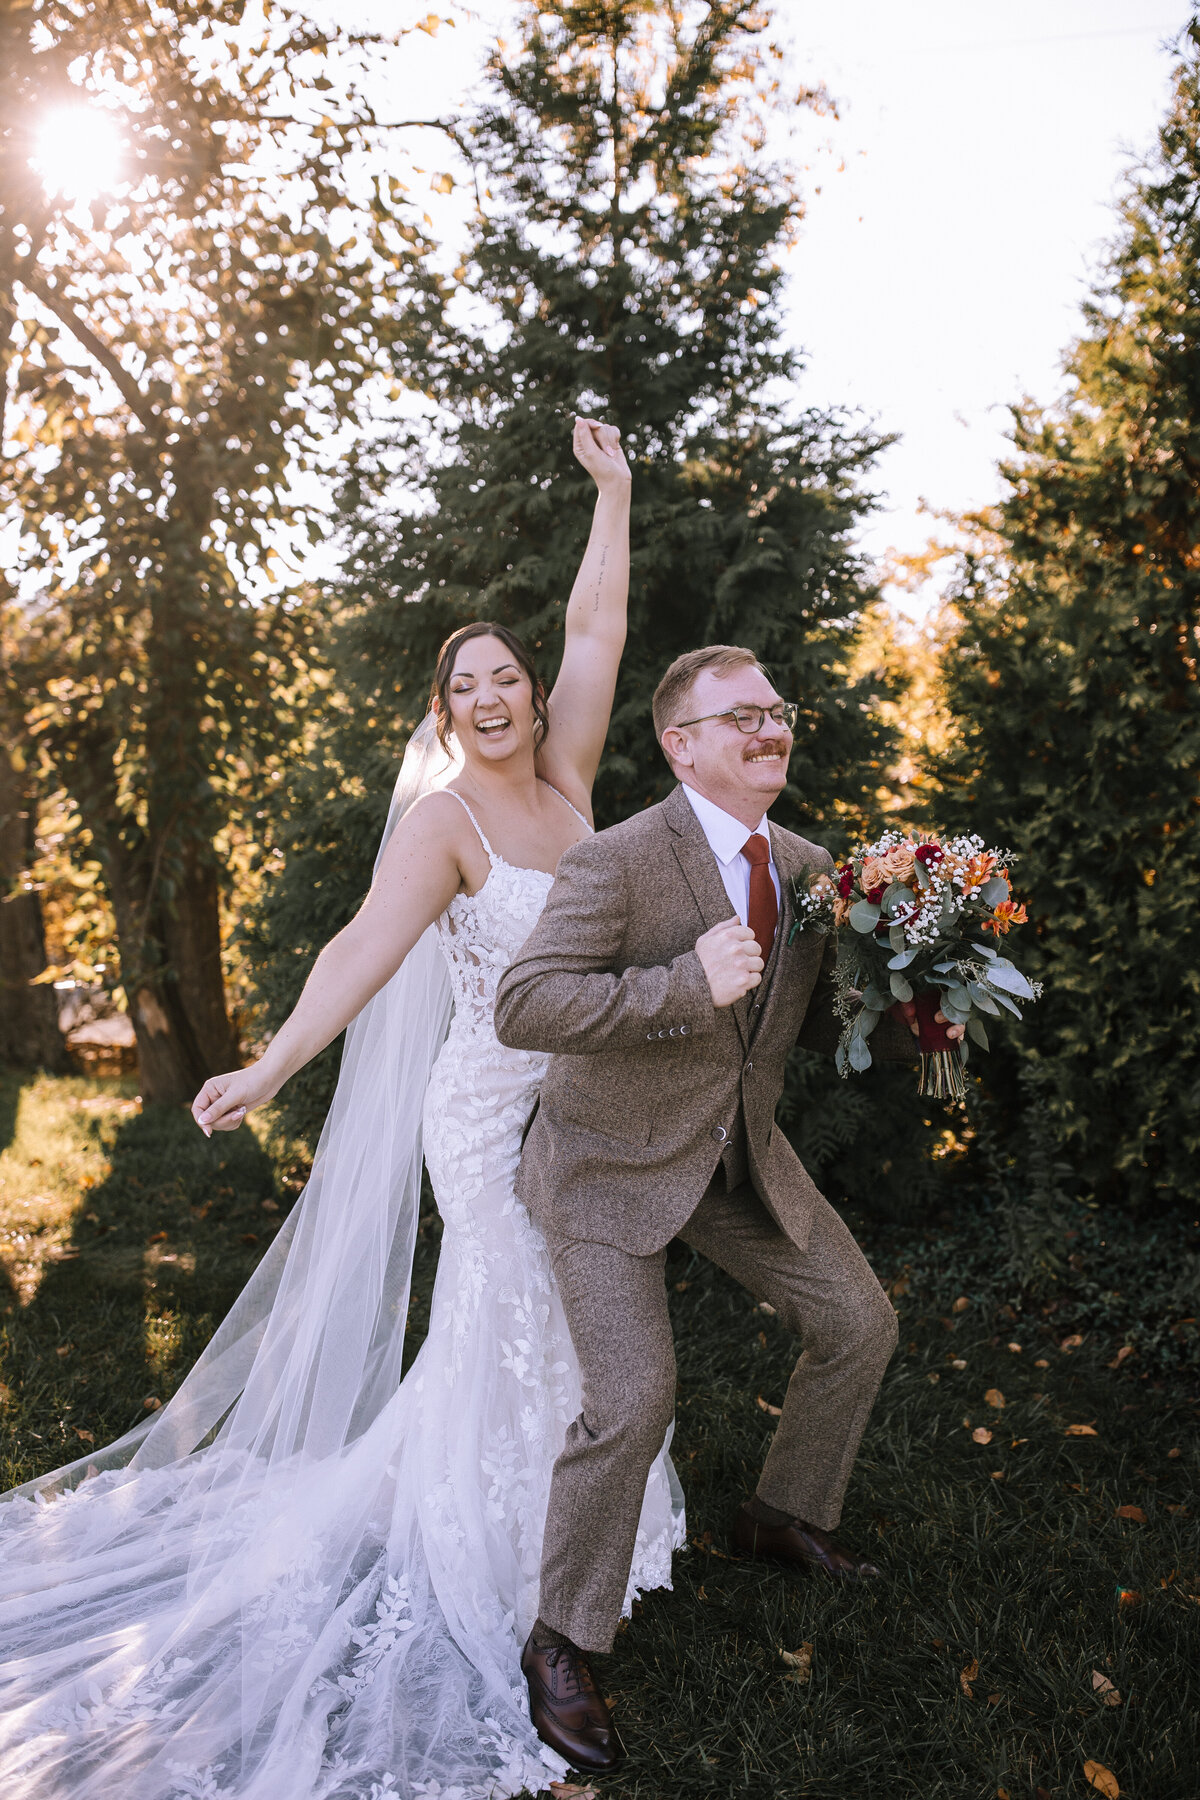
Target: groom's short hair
{"points": [[670, 696]]}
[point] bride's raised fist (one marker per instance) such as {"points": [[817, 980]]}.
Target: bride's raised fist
{"points": [[598, 448]]}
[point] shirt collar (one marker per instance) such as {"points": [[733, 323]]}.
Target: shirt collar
{"points": [[726, 835]]}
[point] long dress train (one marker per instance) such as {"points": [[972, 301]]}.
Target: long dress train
{"points": [[349, 1630]]}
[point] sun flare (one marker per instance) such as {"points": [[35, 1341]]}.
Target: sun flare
{"points": [[78, 152]]}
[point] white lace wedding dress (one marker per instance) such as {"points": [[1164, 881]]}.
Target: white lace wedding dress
{"points": [[354, 1634]]}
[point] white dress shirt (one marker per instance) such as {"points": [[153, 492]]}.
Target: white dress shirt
{"points": [[727, 837]]}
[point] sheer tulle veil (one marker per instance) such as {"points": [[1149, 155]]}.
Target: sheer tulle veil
{"points": [[141, 1563]]}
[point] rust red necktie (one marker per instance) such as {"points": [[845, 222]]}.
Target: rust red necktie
{"points": [[763, 912]]}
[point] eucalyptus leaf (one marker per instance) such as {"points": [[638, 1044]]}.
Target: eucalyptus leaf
{"points": [[896, 937], [984, 950], [983, 999], [896, 894], [875, 998], [905, 957], [839, 1059], [859, 1054], [864, 916], [994, 891], [1003, 974], [867, 1020], [976, 1031], [1007, 1004], [900, 988], [924, 880]]}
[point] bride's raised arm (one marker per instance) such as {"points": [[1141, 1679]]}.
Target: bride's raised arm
{"points": [[581, 701]]}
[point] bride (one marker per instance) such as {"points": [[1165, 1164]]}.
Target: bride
{"points": [[306, 1579]]}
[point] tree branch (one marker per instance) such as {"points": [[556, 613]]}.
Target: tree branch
{"points": [[62, 309]]}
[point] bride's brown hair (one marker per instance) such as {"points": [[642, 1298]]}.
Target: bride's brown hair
{"points": [[444, 669]]}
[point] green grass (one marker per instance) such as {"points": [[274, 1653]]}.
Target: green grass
{"points": [[1009, 1554]]}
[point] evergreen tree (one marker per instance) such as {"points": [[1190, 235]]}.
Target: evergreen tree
{"points": [[627, 262], [1074, 680]]}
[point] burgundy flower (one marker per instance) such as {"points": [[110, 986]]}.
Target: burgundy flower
{"points": [[929, 854], [876, 894], [845, 884]]}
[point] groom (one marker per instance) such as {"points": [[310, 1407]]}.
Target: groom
{"points": [[661, 976]]}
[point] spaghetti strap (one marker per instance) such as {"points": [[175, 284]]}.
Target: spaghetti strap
{"points": [[492, 857], [565, 802]]}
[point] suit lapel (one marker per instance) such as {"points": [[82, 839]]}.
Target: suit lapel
{"points": [[699, 868]]}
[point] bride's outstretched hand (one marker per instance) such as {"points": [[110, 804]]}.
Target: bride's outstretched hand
{"points": [[598, 448], [224, 1100]]}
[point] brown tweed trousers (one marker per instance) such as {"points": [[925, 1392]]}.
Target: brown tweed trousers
{"points": [[657, 1120]]}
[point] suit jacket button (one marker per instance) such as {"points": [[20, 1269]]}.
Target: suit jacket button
{"points": [[749, 1066], [683, 1030], [719, 1133], [662, 1034]]}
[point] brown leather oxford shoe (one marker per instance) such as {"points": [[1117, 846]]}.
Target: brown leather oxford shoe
{"points": [[567, 1708], [804, 1546]]}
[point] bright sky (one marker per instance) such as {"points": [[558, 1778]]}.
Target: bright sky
{"points": [[940, 270]]}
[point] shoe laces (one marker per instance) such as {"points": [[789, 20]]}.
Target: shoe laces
{"points": [[571, 1674]]}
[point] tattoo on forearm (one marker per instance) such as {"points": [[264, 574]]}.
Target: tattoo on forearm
{"points": [[600, 576]]}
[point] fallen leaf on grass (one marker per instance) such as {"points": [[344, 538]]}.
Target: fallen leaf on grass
{"points": [[157, 1237], [933, 1376], [64, 1350], [995, 1398], [1102, 1686], [1178, 1508], [1132, 1512], [1123, 1353], [774, 1411], [85, 1437], [570, 1790], [1102, 1779], [1017, 1441], [994, 1699], [151, 1403], [1174, 1454], [248, 1237], [961, 1304], [1082, 1431], [966, 1677], [1071, 1343], [799, 1664], [981, 1435], [1041, 1363], [1129, 1597], [1015, 1348], [957, 1362], [997, 1474]]}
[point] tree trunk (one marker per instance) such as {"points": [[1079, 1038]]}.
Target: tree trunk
{"points": [[29, 1034], [171, 968]]}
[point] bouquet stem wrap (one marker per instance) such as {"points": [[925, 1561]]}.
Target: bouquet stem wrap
{"points": [[942, 1073]]}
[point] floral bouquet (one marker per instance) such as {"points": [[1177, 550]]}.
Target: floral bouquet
{"points": [[925, 918]]}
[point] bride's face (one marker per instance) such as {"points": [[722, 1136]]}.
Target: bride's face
{"points": [[491, 701]]}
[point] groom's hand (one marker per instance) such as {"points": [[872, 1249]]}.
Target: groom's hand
{"points": [[731, 960], [908, 1012]]}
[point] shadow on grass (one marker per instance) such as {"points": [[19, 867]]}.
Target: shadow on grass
{"points": [[158, 1251]]}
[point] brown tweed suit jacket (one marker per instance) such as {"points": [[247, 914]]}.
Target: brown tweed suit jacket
{"points": [[648, 1077]]}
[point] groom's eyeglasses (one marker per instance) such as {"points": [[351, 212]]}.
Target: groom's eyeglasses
{"points": [[750, 718]]}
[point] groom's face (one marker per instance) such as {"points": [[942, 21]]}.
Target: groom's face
{"points": [[738, 771]]}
